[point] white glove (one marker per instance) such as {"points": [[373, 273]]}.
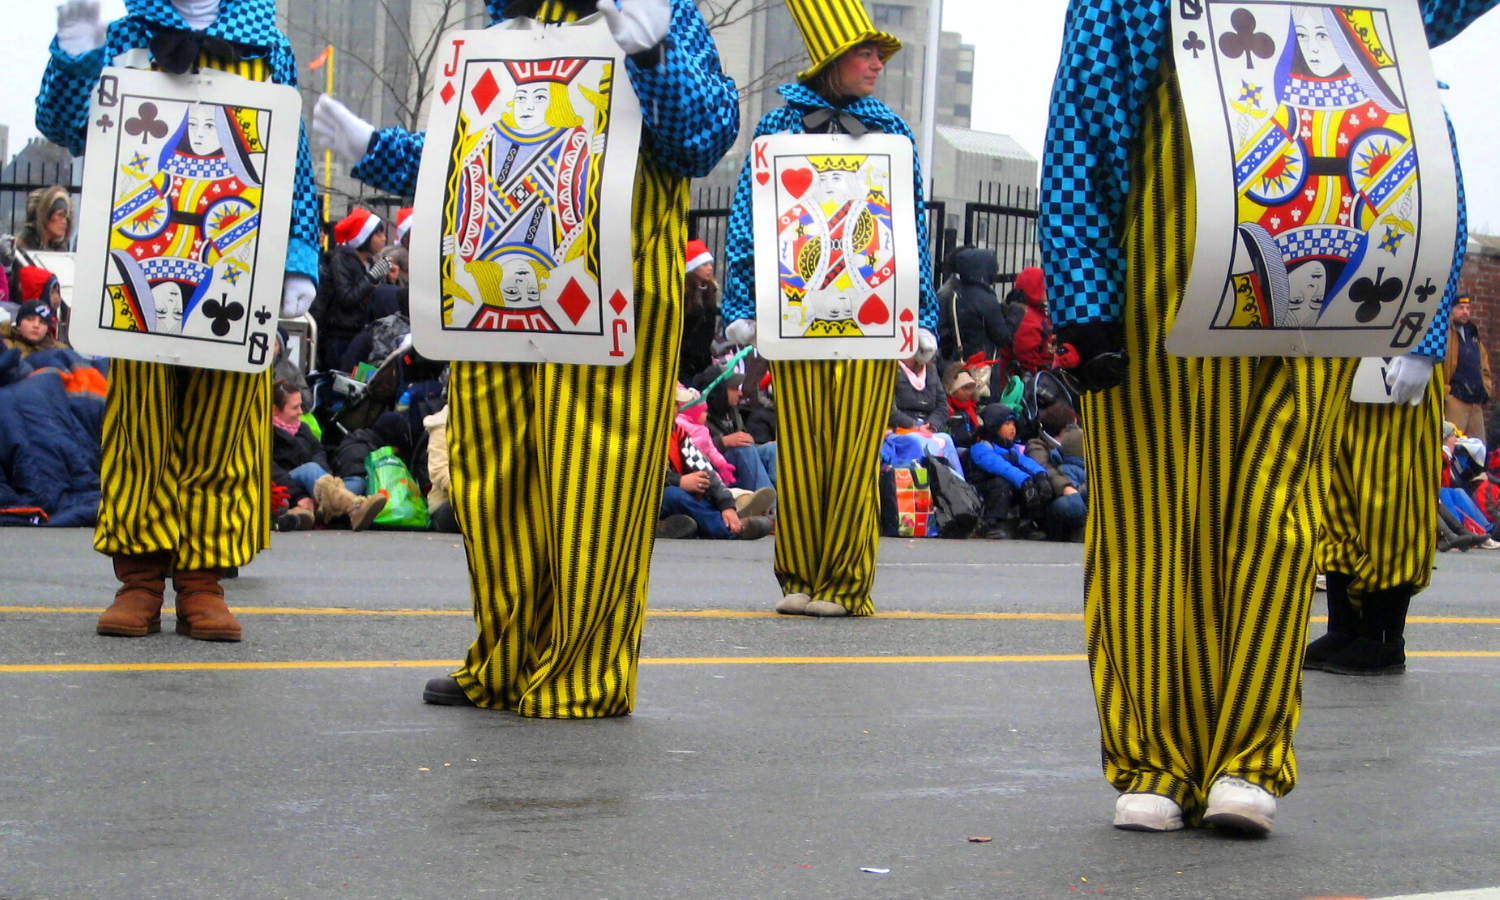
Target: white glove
{"points": [[340, 130], [740, 332], [297, 293], [79, 28], [926, 345], [1407, 377], [637, 25]]}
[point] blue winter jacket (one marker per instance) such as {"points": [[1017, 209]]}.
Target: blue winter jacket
{"points": [[1010, 463]]}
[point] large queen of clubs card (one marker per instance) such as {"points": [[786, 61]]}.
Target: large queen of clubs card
{"points": [[1326, 192], [524, 199], [836, 272], [182, 236]]}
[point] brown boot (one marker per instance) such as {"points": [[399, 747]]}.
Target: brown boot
{"points": [[201, 611], [136, 611], [335, 500]]}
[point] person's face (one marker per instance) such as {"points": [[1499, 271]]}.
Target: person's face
{"points": [[529, 108], [1461, 313], [203, 131], [858, 71], [705, 271], [734, 396], [291, 411], [964, 393], [57, 225], [518, 284], [1317, 46], [31, 329], [168, 308], [377, 241], [1008, 430], [1309, 284], [1450, 442]]}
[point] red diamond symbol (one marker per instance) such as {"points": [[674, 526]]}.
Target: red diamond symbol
{"points": [[485, 91], [447, 93], [573, 301], [619, 302]]}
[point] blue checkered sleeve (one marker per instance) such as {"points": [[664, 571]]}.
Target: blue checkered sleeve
{"points": [[392, 161], [690, 108], [927, 309], [62, 106], [1435, 344], [305, 236], [738, 300], [1444, 19], [1111, 54]]}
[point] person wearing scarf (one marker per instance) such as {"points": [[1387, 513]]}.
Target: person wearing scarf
{"points": [[1204, 474], [186, 473], [832, 414], [556, 469]]}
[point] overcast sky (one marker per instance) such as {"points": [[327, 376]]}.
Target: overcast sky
{"points": [[1016, 43]]}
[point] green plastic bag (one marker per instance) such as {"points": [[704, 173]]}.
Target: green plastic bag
{"points": [[1011, 395], [405, 507]]}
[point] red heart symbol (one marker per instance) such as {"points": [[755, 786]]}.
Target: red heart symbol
{"points": [[762, 177], [906, 315], [797, 181], [874, 311]]}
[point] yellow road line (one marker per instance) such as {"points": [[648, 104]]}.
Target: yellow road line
{"points": [[690, 614], [450, 664]]}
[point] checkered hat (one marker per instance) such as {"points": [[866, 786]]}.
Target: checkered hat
{"points": [[354, 229], [830, 28]]}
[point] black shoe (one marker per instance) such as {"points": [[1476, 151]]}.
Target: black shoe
{"points": [[1380, 648], [229, 572], [1004, 532], [677, 527], [1366, 657], [754, 528], [1030, 532], [1343, 624], [445, 692]]}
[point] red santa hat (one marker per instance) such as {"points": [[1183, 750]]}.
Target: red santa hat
{"points": [[698, 255], [403, 223], [354, 229]]}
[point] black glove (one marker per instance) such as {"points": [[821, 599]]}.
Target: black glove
{"points": [[1030, 494], [1043, 487], [1092, 356]]}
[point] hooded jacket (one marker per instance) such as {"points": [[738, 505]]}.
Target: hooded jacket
{"points": [[62, 108], [998, 456], [38, 209], [1030, 348], [975, 321]]}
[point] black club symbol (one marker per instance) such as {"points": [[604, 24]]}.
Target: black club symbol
{"points": [[146, 124], [1425, 292], [1371, 294], [105, 122], [1194, 43], [222, 314], [262, 315], [1245, 40]]}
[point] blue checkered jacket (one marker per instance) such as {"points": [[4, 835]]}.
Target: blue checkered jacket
{"points": [[1112, 52], [62, 107], [690, 111], [739, 242]]}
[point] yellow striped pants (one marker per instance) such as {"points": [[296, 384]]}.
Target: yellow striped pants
{"points": [[1205, 480], [1381, 522], [831, 418], [187, 464]]}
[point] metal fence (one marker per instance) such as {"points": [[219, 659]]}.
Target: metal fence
{"points": [[21, 179], [1004, 220]]}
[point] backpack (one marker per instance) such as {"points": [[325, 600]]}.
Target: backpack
{"points": [[956, 504]]}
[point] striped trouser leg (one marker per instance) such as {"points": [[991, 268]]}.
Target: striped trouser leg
{"points": [[1381, 521], [832, 417], [186, 464], [557, 484], [1204, 478]]}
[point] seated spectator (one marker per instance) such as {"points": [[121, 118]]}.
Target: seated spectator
{"points": [[377, 341], [1014, 488], [285, 369], [975, 322], [33, 329], [754, 463], [1031, 350], [1482, 492], [390, 429], [700, 313], [696, 502], [1059, 450], [300, 465], [757, 404], [963, 405], [439, 505], [690, 418], [355, 268], [920, 407]]}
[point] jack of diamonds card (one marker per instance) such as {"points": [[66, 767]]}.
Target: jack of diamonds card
{"points": [[524, 199], [186, 211], [836, 272], [1325, 184]]}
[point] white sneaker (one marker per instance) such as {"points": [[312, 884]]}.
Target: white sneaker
{"points": [[1490, 544], [1147, 812], [1238, 805]]}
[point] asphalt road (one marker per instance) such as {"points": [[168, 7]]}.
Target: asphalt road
{"points": [[769, 757]]}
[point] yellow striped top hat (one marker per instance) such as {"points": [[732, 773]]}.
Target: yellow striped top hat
{"points": [[832, 27]]}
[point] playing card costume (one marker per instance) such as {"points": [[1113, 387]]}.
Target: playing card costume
{"points": [[1196, 622], [186, 451], [1380, 530], [557, 469], [832, 413]]}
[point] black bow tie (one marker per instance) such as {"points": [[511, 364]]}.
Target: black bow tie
{"points": [[176, 50], [832, 121], [528, 8]]}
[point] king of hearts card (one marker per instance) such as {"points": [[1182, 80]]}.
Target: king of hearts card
{"points": [[186, 212], [1325, 187]]}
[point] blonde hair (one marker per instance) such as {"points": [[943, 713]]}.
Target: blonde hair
{"points": [[560, 112]]}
